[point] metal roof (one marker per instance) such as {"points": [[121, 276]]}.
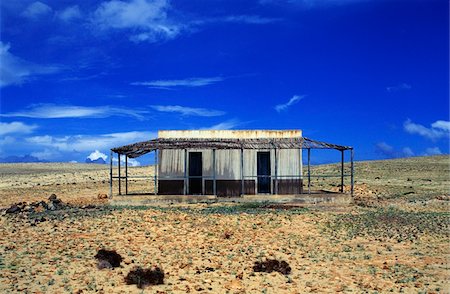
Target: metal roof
{"points": [[140, 148]]}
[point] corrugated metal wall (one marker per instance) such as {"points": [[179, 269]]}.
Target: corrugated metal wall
{"points": [[228, 163]]}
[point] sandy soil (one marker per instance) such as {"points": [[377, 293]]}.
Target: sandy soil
{"points": [[211, 248]]}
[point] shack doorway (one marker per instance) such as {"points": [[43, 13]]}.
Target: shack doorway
{"points": [[263, 172], [195, 173]]}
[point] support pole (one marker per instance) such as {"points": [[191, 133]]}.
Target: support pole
{"points": [[120, 179], [300, 176], [111, 174], [126, 175], [342, 171], [351, 172], [242, 172], [309, 171], [276, 173], [214, 171], [185, 189], [155, 171]]}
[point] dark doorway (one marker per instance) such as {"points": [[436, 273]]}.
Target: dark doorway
{"points": [[263, 170], [195, 173]]}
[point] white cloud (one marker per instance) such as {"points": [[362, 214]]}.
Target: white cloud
{"points": [[442, 125], [85, 143], [439, 129], [130, 161], [96, 155], [407, 152], [145, 20], [16, 127], [69, 13], [46, 154], [188, 82], [399, 87], [388, 151], [7, 140], [226, 125], [36, 9], [433, 151], [188, 111], [292, 101], [15, 71], [72, 111]]}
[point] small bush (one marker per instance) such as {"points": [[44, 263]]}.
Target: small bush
{"points": [[110, 256], [144, 277]]}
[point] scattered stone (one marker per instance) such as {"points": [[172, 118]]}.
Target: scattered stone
{"points": [[110, 256], [13, 209], [102, 196], [144, 277], [272, 265]]}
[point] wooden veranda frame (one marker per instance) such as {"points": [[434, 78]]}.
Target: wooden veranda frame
{"points": [[141, 148]]}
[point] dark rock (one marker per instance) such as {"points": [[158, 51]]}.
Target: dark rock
{"points": [[52, 197], [272, 265], [13, 209]]}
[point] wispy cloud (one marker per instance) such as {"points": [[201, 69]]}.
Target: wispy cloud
{"points": [[399, 87], [295, 99], [309, 3], [16, 127], [243, 19], [226, 125], [439, 129], [387, 151], [432, 151], [187, 82], [144, 20], [72, 111], [69, 13], [188, 111], [15, 71], [36, 10]]}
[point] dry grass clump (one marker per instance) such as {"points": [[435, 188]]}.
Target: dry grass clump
{"points": [[144, 277]]}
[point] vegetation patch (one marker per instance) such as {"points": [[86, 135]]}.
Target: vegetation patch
{"points": [[272, 265], [391, 223], [251, 208], [108, 258], [144, 277]]}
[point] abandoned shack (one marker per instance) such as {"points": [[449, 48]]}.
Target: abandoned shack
{"points": [[227, 162]]}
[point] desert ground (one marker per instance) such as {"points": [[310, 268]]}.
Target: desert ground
{"points": [[392, 237]]}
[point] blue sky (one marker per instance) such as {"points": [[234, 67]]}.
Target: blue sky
{"points": [[80, 76]]}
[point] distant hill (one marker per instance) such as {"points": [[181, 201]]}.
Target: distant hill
{"points": [[20, 159]]}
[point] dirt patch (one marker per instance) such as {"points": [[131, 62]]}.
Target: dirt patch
{"points": [[272, 265], [108, 256], [144, 277]]}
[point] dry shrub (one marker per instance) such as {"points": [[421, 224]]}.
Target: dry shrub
{"points": [[272, 265], [110, 256], [144, 277]]}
